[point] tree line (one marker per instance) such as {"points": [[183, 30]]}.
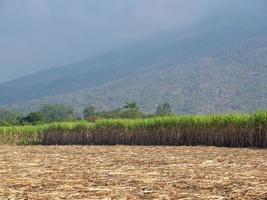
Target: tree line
{"points": [[55, 113]]}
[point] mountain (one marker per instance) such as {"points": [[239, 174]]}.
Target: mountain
{"points": [[219, 65]]}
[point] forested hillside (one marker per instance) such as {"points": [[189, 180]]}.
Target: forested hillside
{"points": [[219, 65]]}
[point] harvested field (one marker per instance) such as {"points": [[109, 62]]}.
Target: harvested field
{"points": [[128, 172]]}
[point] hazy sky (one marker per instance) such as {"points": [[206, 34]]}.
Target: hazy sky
{"points": [[39, 34]]}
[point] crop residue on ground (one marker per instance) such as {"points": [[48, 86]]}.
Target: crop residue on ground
{"points": [[120, 172]]}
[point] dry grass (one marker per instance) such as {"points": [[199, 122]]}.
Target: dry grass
{"points": [[125, 172]]}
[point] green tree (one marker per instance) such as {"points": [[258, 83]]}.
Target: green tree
{"points": [[132, 114], [131, 110], [131, 106], [57, 112], [32, 118], [89, 112], [8, 117], [164, 109], [116, 113]]}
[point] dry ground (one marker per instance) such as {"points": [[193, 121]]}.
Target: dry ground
{"points": [[121, 172]]}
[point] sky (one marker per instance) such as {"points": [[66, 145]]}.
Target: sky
{"points": [[40, 34]]}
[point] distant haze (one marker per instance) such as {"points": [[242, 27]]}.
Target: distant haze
{"points": [[40, 34]]}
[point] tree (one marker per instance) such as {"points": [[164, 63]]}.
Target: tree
{"points": [[89, 112], [8, 117], [131, 106], [32, 118], [131, 110], [132, 114], [57, 112], [164, 109], [116, 113]]}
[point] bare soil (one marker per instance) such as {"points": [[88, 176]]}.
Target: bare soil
{"points": [[125, 172]]}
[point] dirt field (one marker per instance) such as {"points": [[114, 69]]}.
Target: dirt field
{"points": [[120, 172]]}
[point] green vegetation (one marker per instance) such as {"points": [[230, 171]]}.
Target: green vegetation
{"points": [[32, 118], [89, 112], [57, 112], [33, 134], [8, 117], [129, 111], [240, 130], [45, 114], [164, 109]]}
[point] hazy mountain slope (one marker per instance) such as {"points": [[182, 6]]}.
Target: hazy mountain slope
{"points": [[216, 66], [232, 79]]}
